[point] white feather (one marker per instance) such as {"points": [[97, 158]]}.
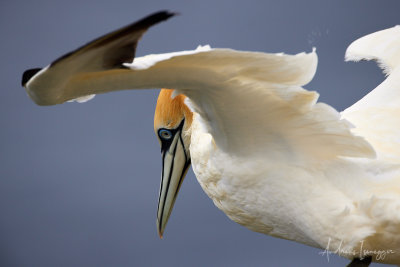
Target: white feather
{"points": [[82, 99], [377, 115], [382, 46], [148, 61]]}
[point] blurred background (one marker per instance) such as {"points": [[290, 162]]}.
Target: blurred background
{"points": [[79, 182]]}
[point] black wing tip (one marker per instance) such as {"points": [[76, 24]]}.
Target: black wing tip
{"points": [[142, 24], [156, 18], [165, 13], [28, 74]]}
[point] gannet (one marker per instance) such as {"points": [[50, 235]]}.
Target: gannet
{"points": [[270, 156]]}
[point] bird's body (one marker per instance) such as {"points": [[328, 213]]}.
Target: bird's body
{"points": [[262, 148], [328, 206], [350, 206]]}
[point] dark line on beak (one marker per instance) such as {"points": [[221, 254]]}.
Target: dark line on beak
{"points": [[181, 178], [184, 170], [162, 181], [169, 181]]}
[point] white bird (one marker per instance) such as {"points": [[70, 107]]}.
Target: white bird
{"points": [[262, 148]]}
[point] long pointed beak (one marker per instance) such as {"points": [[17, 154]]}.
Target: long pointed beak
{"points": [[175, 163]]}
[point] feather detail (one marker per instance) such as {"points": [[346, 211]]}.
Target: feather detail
{"points": [[377, 115], [382, 46]]}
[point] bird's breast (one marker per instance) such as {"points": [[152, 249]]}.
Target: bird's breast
{"points": [[310, 204], [245, 189]]}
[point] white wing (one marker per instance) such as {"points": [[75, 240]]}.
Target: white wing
{"points": [[251, 102], [377, 115]]}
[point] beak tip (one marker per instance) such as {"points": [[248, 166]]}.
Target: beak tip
{"points": [[160, 230]]}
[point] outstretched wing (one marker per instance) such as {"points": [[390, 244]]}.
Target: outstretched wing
{"points": [[377, 115], [250, 102]]}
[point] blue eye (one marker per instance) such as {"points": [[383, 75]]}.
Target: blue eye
{"points": [[165, 134]]}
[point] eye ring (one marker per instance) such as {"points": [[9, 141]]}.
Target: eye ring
{"points": [[165, 134]]}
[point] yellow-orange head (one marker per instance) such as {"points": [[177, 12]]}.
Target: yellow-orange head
{"points": [[170, 112]]}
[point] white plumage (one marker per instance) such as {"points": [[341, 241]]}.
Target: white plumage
{"points": [[262, 148]]}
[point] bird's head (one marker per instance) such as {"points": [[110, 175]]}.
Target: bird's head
{"points": [[172, 125]]}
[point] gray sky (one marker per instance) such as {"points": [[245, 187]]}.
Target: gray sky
{"points": [[79, 182]]}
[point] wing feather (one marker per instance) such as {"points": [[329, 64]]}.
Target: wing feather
{"points": [[377, 115], [115, 48], [250, 102], [382, 46]]}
